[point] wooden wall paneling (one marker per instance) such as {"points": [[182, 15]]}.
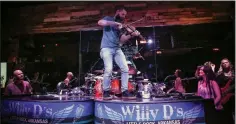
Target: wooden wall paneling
{"points": [[193, 9], [58, 14], [69, 16], [66, 18], [136, 5], [214, 14], [196, 19], [59, 29], [72, 8], [61, 23], [85, 13]]}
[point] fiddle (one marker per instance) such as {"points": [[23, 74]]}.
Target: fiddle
{"points": [[128, 29]]}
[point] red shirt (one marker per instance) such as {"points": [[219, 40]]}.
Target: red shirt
{"points": [[18, 89]]}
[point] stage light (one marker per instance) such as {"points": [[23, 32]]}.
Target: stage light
{"points": [[43, 45], [56, 44], [158, 52], [216, 49], [149, 41], [143, 41]]}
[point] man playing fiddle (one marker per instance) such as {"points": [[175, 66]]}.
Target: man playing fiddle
{"points": [[111, 49]]}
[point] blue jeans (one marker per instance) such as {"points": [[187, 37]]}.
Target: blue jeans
{"points": [[107, 54]]}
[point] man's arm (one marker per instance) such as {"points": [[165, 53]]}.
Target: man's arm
{"points": [[125, 37], [103, 22], [59, 87]]}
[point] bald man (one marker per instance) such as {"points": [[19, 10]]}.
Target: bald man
{"points": [[68, 78], [66, 83], [18, 86]]}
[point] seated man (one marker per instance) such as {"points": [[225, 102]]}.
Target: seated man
{"points": [[18, 86], [66, 84]]}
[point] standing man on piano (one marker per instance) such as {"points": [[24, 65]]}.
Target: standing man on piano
{"points": [[111, 49]]}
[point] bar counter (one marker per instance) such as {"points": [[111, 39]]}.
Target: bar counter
{"points": [[150, 111], [52, 108], [47, 109]]}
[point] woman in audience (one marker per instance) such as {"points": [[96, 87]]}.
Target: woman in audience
{"points": [[207, 86], [197, 72], [211, 65]]}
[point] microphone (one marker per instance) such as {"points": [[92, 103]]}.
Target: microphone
{"points": [[26, 77]]}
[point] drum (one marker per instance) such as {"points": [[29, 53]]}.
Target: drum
{"points": [[89, 87], [131, 86], [116, 86], [132, 70], [98, 88]]}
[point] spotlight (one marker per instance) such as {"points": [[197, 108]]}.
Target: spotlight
{"points": [[143, 41], [149, 41], [216, 49], [56, 44], [158, 52], [43, 45]]}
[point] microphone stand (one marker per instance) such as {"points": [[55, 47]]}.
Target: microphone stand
{"points": [[26, 77], [186, 79], [73, 80], [168, 77], [94, 65]]}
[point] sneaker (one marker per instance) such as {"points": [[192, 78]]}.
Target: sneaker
{"points": [[117, 96], [106, 95], [128, 95]]}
